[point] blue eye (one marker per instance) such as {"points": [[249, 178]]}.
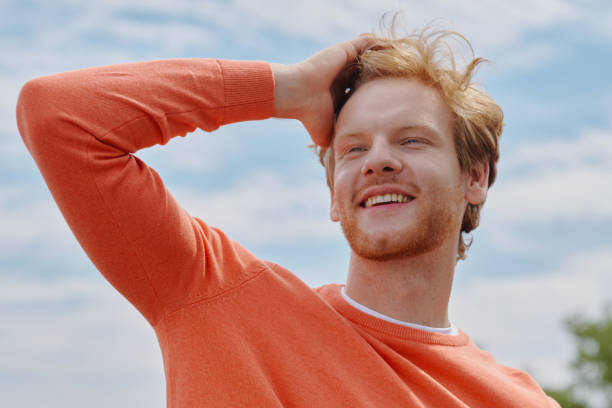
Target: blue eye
{"points": [[410, 141], [356, 149]]}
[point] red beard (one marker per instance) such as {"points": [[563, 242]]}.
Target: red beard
{"points": [[436, 217]]}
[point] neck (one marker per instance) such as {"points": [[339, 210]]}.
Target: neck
{"points": [[411, 289]]}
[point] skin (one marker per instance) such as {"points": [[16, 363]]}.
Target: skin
{"points": [[392, 134]]}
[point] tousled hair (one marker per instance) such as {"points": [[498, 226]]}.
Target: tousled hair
{"points": [[428, 57]]}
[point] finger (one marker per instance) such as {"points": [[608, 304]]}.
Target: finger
{"points": [[358, 45]]}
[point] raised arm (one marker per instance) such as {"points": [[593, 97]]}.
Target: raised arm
{"points": [[83, 127]]}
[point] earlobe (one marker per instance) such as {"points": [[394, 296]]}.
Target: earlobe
{"points": [[478, 183]]}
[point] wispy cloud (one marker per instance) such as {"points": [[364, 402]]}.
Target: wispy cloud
{"points": [[556, 179], [519, 318], [266, 208], [595, 17], [525, 57], [549, 183], [75, 340], [30, 220], [173, 26]]}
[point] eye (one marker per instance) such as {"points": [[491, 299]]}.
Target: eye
{"points": [[409, 141], [355, 149]]}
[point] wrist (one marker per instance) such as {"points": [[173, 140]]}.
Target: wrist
{"points": [[287, 91]]}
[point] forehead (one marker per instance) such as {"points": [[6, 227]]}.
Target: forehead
{"points": [[391, 103]]}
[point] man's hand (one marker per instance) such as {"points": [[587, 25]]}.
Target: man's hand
{"points": [[302, 91]]}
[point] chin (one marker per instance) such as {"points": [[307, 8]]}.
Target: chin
{"points": [[393, 245], [430, 226]]}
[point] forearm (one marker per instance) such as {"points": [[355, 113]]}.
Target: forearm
{"points": [[165, 98]]}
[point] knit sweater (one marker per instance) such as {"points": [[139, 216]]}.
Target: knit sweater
{"points": [[234, 330]]}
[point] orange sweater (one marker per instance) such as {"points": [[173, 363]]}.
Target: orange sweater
{"points": [[234, 330]]}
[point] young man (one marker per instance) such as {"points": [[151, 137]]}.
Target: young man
{"points": [[409, 160]]}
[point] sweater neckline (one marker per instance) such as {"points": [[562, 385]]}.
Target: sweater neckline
{"points": [[377, 326], [450, 331]]}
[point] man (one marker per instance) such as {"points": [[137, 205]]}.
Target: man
{"points": [[409, 158]]}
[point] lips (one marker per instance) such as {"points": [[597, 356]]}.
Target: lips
{"points": [[381, 195]]}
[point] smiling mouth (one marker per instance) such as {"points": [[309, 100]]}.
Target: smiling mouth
{"points": [[385, 199]]}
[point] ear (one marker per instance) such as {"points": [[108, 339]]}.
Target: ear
{"points": [[477, 183], [333, 212]]}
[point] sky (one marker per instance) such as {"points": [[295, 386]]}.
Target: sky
{"points": [[543, 250]]}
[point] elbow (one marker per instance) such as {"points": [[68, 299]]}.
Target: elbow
{"points": [[36, 110]]}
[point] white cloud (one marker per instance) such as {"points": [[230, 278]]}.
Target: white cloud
{"points": [[524, 57], [198, 152], [595, 16], [593, 147], [546, 182], [29, 219], [558, 179], [66, 343], [265, 208], [519, 318], [319, 20], [171, 38], [8, 101]]}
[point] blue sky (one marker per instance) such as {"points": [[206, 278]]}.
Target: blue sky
{"points": [[543, 249]]}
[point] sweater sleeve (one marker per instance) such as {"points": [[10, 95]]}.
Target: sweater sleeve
{"points": [[83, 127]]}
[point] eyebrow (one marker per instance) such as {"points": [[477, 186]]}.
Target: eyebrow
{"points": [[420, 127], [401, 129]]}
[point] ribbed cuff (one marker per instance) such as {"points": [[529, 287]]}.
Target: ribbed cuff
{"points": [[248, 90]]}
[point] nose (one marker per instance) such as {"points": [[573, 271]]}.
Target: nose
{"points": [[381, 160]]}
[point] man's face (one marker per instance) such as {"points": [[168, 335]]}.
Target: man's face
{"points": [[394, 143]]}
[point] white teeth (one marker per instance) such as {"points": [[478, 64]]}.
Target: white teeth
{"points": [[387, 198]]}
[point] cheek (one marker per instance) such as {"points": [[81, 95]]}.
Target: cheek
{"points": [[343, 191], [342, 179], [441, 167]]}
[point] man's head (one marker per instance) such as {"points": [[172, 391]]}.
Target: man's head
{"points": [[399, 86]]}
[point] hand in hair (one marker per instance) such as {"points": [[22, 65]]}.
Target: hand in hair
{"points": [[302, 90]]}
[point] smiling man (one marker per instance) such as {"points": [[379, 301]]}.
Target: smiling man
{"points": [[400, 195], [410, 150]]}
